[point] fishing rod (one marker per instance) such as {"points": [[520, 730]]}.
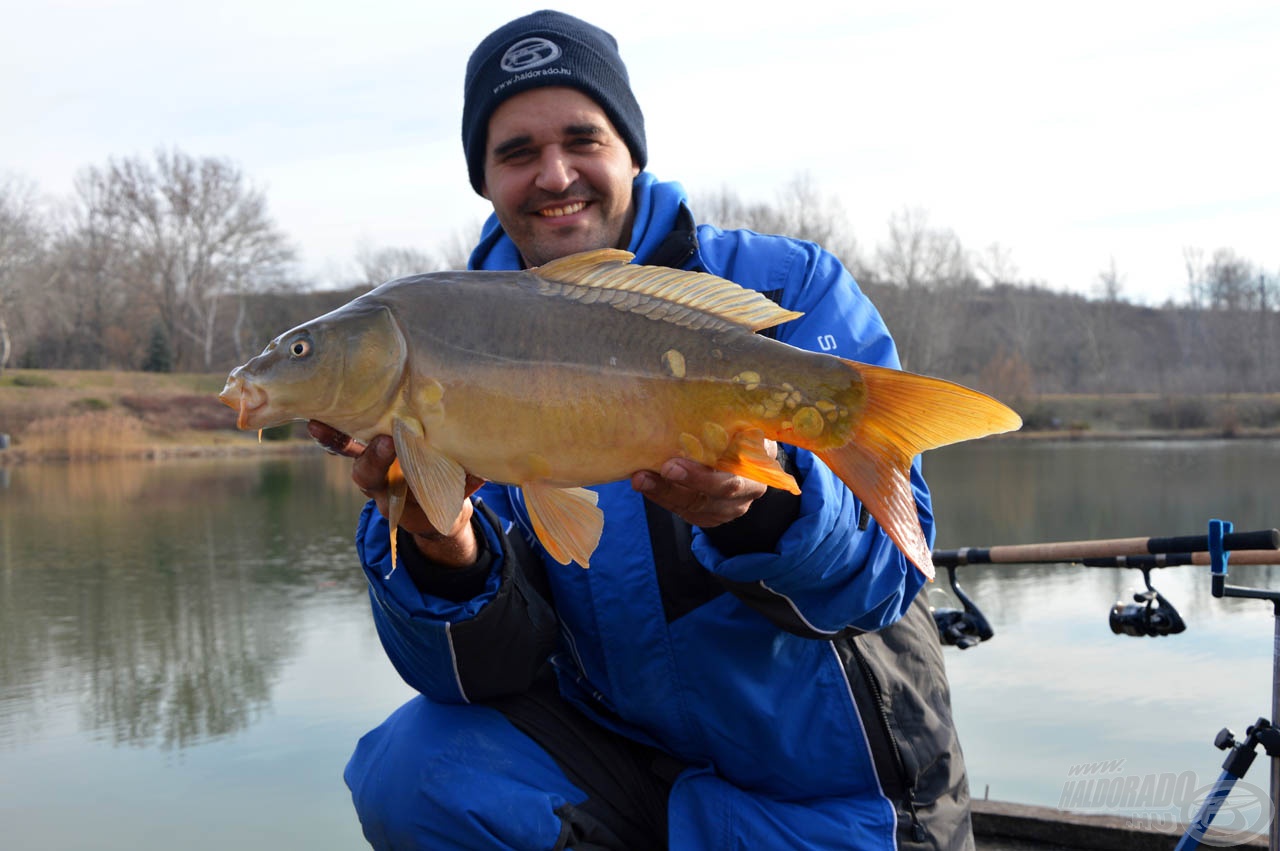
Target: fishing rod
{"points": [[1152, 615], [1258, 557], [1075, 551]]}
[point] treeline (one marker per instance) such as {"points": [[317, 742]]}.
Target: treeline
{"points": [[174, 264], [965, 315]]}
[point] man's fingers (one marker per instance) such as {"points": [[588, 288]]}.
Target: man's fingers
{"points": [[711, 484], [369, 471], [700, 495]]}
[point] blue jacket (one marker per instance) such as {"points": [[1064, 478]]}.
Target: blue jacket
{"points": [[739, 665]]}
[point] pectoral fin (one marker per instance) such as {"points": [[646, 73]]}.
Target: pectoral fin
{"points": [[747, 457], [566, 520], [438, 482]]}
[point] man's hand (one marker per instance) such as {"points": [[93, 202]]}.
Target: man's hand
{"points": [[455, 547], [698, 494]]}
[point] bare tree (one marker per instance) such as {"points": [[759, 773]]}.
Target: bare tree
{"points": [[995, 262], [90, 301], [456, 250], [1110, 284], [23, 241], [379, 265], [192, 233], [1193, 262], [931, 271], [807, 213], [1099, 325], [1268, 296], [1229, 280], [800, 210], [917, 255]]}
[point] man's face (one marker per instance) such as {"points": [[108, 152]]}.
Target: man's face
{"points": [[558, 175]]}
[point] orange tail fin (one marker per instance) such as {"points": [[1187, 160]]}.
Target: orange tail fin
{"points": [[905, 415]]}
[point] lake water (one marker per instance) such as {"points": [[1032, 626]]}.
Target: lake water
{"points": [[187, 657]]}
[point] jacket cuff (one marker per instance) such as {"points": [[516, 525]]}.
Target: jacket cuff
{"points": [[454, 584], [760, 529]]}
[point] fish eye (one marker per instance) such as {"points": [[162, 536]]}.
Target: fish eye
{"points": [[300, 348]]}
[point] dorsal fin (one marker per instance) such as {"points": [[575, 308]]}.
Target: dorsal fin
{"points": [[695, 299]]}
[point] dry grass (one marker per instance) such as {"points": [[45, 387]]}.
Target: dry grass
{"points": [[27, 395], [74, 415], [84, 436]]}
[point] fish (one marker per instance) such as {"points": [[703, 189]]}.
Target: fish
{"points": [[589, 368]]}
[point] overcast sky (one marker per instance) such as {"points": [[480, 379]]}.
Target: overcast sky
{"points": [[1069, 134]]}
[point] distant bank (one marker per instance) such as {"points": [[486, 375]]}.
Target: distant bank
{"points": [[75, 414]]}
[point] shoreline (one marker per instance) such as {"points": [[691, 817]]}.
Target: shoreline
{"points": [[158, 452], [229, 445]]}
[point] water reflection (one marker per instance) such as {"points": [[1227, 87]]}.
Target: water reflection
{"points": [[212, 610], [988, 494], [1054, 687], [160, 599]]}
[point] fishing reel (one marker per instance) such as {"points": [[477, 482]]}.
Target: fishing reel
{"points": [[961, 628], [1149, 614]]}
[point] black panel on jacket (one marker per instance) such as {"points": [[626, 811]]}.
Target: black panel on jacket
{"points": [[682, 581], [898, 677], [502, 648]]}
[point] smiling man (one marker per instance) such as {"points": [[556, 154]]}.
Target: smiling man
{"points": [[559, 175], [741, 667]]}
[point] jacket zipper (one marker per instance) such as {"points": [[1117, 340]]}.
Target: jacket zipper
{"points": [[918, 833]]}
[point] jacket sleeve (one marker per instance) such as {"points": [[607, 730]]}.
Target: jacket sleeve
{"points": [[461, 651], [833, 570]]}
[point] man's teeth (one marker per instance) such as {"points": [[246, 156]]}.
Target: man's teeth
{"points": [[556, 212]]}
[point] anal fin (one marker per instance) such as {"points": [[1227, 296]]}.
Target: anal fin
{"points": [[746, 456], [566, 520]]}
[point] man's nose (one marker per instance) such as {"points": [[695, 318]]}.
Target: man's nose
{"points": [[555, 171]]}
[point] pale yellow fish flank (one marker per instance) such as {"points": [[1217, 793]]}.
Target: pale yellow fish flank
{"points": [[589, 368]]}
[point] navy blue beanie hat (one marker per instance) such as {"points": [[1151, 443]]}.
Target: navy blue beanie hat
{"points": [[546, 49]]}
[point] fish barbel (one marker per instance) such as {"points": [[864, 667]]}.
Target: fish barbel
{"points": [[587, 369]]}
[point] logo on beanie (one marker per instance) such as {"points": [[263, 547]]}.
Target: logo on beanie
{"points": [[529, 53]]}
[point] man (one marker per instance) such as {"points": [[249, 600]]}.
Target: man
{"points": [[740, 667]]}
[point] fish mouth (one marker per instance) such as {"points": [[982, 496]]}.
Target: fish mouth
{"points": [[244, 397]]}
